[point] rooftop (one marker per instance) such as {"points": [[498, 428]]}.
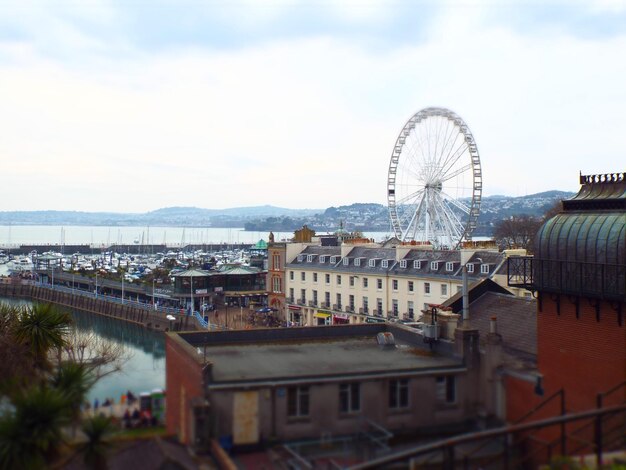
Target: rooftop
{"points": [[317, 354]]}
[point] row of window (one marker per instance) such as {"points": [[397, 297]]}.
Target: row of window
{"points": [[365, 282], [451, 266], [298, 398]]}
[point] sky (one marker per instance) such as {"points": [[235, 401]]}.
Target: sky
{"points": [[135, 105]]}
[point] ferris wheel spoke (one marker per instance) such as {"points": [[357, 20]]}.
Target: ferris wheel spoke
{"points": [[456, 203], [451, 223], [414, 195], [452, 158], [455, 173], [449, 141], [413, 224]]}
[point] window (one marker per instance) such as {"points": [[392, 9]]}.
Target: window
{"points": [[434, 265], [303, 295], [379, 284], [309, 258], [449, 266], [410, 286], [484, 269], [394, 284], [446, 389], [365, 283], [372, 263], [346, 261], [403, 263], [365, 305], [276, 262], [297, 401], [327, 278], [291, 275], [276, 284], [417, 264], [322, 258], [379, 306], [394, 307], [357, 261], [399, 393], [410, 309], [327, 298], [338, 279], [349, 398], [385, 263], [314, 277], [427, 288], [333, 259], [303, 276], [300, 258], [351, 279], [470, 267], [314, 297], [351, 303], [338, 301], [291, 294], [444, 289]]}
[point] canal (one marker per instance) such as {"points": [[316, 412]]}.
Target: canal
{"points": [[143, 351]]}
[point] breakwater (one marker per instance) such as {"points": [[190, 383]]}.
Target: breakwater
{"points": [[133, 313]]}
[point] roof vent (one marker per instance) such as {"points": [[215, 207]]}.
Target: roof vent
{"points": [[386, 340]]}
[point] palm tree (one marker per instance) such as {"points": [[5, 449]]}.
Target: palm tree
{"points": [[42, 327], [97, 429], [31, 433], [73, 381]]}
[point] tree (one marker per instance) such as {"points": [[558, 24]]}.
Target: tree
{"points": [[31, 433], [97, 429], [42, 328], [517, 231]]}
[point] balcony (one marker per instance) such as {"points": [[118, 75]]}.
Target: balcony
{"points": [[337, 307], [302, 302], [312, 303], [325, 305], [364, 311], [349, 309], [291, 300]]}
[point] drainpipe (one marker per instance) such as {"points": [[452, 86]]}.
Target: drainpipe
{"points": [[465, 297]]}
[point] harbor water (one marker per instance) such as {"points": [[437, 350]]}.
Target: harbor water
{"points": [[143, 351]]}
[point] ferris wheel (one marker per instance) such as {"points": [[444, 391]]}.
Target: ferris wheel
{"points": [[434, 184]]}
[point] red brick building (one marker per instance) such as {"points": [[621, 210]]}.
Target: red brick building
{"points": [[579, 275]]}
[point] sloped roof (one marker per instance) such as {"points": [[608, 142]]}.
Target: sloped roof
{"points": [[516, 322], [261, 245], [192, 273]]}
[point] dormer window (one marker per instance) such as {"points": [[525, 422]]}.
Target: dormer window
{"points": [[403, 263], [357, 261], [346, 261], [372, 263], [434, 265], [484, 269], [309, 258], [417, 264], [449, 266], [300, 258], [333, 259], [385, 263], [323, 259], [470, 267]]}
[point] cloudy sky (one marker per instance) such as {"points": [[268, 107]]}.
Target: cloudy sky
{"points": [[134, 105]]}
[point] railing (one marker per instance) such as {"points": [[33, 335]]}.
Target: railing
{"points": [[594, 280]]}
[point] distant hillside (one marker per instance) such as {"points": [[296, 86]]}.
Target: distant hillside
{"points": [[357, 216]]}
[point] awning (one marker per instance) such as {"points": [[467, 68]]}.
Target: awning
{"points": [[293, 307], [342, 316], [321, 315]]}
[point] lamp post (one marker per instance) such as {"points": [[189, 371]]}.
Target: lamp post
{"points": [[96, 284], [122, 289], [191, 286], [153, 304]]}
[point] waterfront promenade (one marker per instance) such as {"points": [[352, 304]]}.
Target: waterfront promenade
{"points": [[122, 309]]}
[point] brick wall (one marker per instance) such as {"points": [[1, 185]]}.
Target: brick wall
{"points": [[183, 382], [582, 355]]}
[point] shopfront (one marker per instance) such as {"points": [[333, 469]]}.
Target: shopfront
{"points": [[341, 318], [322, 317], [295, 315]]}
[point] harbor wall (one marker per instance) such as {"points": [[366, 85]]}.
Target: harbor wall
{"points": [[129, 313]]}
